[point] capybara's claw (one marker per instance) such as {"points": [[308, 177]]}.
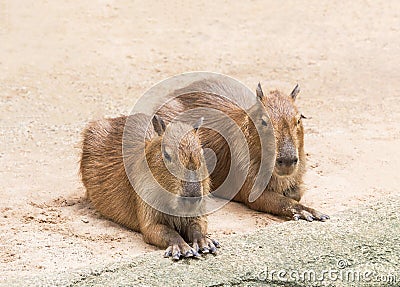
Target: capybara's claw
{"points": [[211, 246], [176, 256], [310, 218], [296, 217], [196, 254], [324, 217], [195, 246], [309, 215], [303, 214], [189, 253], [213, 249], [215, 242], [168, 252], [178, 251], [192, 253], [320, 216], [205, 245]]}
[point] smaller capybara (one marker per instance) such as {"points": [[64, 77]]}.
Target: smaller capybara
{"points": [[113, 170]]}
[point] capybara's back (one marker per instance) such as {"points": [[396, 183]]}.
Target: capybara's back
{"points": [[103, 172]]}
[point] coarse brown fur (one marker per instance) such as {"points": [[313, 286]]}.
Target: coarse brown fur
{"points": [[109, 189], [285, 188]]}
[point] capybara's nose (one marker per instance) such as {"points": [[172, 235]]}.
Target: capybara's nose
{"points": [[287, 161], [191, 189], [191, 200]]}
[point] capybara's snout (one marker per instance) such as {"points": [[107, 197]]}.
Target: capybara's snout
{"points": [[192, 189], [287, 161]]}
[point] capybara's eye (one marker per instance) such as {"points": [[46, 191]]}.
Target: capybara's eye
{"points": [[264, 123], [167, 156]]}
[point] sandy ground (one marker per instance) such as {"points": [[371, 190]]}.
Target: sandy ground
{"points": [[63, 63]]}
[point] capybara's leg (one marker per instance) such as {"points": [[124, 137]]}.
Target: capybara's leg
{"points": [[165, 237], [197, 233], [279, 204], [294, 193]]}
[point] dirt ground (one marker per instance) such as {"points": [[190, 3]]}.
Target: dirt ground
{"points": [[63, 63]]}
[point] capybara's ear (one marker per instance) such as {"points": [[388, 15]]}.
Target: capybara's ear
{"points": [[295, 91], [198, 124], [158, 124], [259, 92]]}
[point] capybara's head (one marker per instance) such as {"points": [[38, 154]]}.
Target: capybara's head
{"points": [[180, 165], [288, 129]]}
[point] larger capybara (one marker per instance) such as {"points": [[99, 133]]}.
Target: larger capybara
{"points": [[118, 191], [285, 187]]}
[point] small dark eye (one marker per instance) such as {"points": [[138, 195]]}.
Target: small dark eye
{"points": [[264, 122], [167, 156]]}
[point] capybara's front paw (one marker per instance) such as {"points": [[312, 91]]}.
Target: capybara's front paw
{"points": [[309, 214], [205, 245], [181, 250]]}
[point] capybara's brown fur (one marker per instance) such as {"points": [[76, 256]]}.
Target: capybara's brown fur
{"points": [[105, 176], [285, 188]]}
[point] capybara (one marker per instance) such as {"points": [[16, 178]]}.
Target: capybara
{"points": [[113, 170], [285, 187]]}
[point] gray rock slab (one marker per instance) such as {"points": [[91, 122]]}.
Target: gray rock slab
{"points": [[357, 247]]}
